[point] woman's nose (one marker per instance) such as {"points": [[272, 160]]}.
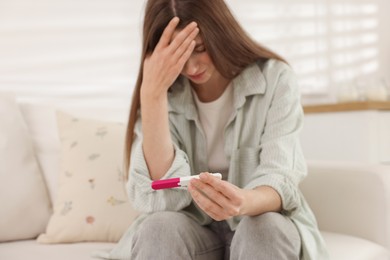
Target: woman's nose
{"points": [[191, 67]]}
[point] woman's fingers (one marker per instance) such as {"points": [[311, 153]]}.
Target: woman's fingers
{"points": [[186, 55], [174, 43], [227, 206], [181, 36], [185, 45], [210, 192], [177, 48], [226, 188], [168, 33], [207, 205]]}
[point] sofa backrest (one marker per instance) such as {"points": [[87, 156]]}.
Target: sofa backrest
{"points": [[350, 198]]}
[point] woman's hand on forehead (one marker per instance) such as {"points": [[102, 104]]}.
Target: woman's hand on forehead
{"points": [[173, 50], [171, 32]]}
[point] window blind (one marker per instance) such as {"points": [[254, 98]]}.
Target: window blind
{"points": [[328, 42], [78, 50], [90, 50]]}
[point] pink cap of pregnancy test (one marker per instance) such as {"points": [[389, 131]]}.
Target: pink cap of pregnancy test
{"points": [[166, 184]]}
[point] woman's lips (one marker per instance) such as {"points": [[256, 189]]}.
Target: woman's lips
{"points": [[196, 76]]}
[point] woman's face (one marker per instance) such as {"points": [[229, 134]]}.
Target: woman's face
{"points": [[199, 68]]}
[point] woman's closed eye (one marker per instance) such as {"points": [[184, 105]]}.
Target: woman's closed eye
{"points": [[199, 48]]}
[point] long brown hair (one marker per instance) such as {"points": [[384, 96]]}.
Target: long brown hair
{"points": [[227, 44]]}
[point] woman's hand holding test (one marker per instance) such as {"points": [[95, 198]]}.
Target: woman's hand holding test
{"points": [[222, 200]]}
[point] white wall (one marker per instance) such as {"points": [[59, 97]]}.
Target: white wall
{"points": [[347, 136]]}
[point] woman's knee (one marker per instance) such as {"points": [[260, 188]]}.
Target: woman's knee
{"points": [[158, 237], [173, 235], [161, 226], [266, 233], [270, 222]]}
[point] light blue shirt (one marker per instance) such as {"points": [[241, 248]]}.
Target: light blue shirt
{"points": [[261, 141]]}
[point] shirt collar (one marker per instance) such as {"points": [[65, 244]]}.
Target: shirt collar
{"points": [[250, 81]]}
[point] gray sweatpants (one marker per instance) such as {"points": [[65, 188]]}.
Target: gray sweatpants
{"points": [[173, 235]]}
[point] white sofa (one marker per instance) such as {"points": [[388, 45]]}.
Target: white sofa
{"points": [[351, 201]]}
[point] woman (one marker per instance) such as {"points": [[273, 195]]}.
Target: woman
{"points": [[210, 99]]}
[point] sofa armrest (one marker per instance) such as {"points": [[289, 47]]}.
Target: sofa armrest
{"points": [[350, 198]]}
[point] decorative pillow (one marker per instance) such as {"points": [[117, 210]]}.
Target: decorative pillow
{"points": [[24, 201], [91, 203]]}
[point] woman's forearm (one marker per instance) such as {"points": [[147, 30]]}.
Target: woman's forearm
{"points": [[260, 200], [157, 142]]}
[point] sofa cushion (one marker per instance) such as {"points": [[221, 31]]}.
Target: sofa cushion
{"points": [[42, 124], [24, 200], [91, 202], [30, 249], [342, 247]]}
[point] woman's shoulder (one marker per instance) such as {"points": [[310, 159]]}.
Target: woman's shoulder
{"points": [[274, 66], [275, 71]]}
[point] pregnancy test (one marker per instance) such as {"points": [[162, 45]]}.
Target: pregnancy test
{"points": [[178, 182]]}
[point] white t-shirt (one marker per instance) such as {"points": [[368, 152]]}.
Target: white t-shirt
{"points": [[213, 117]]}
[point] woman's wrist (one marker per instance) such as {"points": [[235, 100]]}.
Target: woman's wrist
{"points": [[152, 93], [260, 200]]}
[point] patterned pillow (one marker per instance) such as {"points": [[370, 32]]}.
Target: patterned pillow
{"points": [[91, 202]]}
